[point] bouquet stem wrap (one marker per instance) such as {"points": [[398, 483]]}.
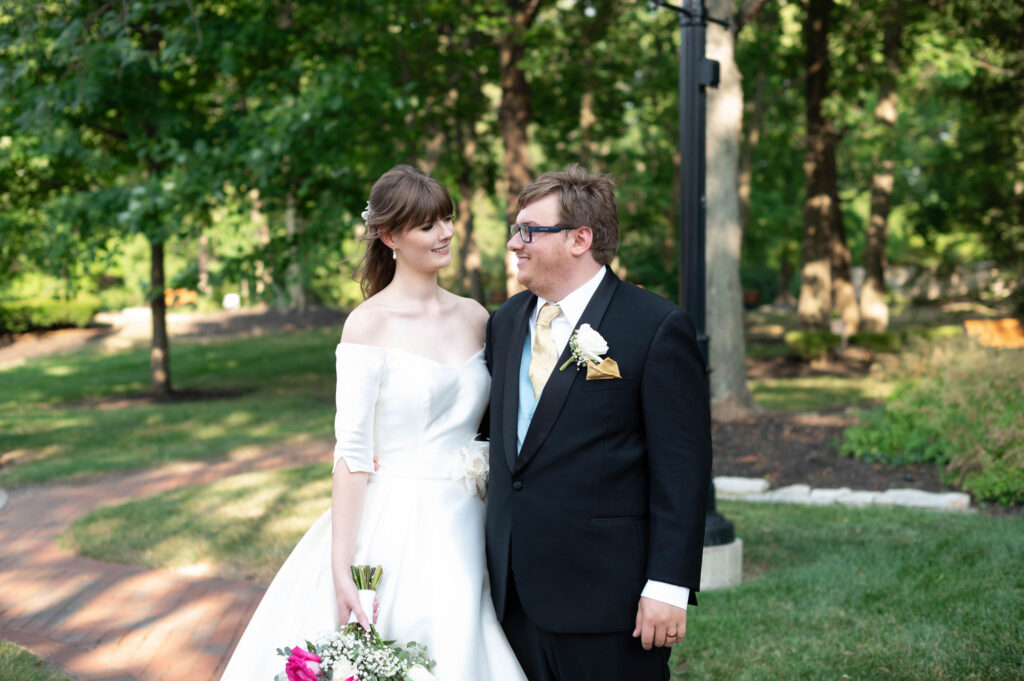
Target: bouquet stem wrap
{"points": [[366, 602]]}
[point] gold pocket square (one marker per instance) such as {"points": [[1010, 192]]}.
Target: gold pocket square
{"points": [[608, 368]]}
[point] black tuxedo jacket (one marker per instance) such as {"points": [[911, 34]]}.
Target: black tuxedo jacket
{"points": [[610, 487]]}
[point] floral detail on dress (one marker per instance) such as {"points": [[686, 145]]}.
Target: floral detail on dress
{"points": [[476, 466]]}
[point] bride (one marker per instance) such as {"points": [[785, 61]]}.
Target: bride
{"points": [[412, 389]]}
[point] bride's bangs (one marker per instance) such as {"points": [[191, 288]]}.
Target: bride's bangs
{"points": [[429, 201]]}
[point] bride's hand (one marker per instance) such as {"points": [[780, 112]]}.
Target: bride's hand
{"points": [[348, 602]]}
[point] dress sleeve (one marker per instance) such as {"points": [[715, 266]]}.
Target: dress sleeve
{"points": [[360, 372]]}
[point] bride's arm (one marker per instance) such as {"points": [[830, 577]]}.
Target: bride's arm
{"points": [[347, 494]]}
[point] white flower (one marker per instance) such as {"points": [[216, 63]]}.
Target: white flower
{"points": [[418, 673], [477, 467], [343, 669], [590, 344], [366, 213]]}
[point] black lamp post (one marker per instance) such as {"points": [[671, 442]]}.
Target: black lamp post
{"points": [[696, 73]]}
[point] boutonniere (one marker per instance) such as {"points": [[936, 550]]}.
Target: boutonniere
{"points": [[587, 346]]}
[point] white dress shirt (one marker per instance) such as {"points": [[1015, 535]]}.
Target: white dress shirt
{"points": [[561, 328]]}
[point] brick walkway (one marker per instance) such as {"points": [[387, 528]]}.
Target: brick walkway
{"points": [[110, 622]]}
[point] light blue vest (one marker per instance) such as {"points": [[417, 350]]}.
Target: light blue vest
{"points": [[527, 402]]}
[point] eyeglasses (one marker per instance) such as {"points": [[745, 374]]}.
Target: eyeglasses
{"points": [[526, 232]]}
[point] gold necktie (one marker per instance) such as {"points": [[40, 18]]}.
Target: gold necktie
{"points": [[545, 354]]}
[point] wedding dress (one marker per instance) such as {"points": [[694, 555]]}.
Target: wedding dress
{"points": [[420, 521]]}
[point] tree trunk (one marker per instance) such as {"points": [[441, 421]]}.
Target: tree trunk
{"points": [[203, 264], [293, 274], [470, 263], [844, 297], [751, 136], [261, 228], [159, 352], [513, 117], [784, 297], [727, 351], [595, 28], [815, 305], [873, 308]]}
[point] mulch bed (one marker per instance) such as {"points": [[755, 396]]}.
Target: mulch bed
{"points": [[787, 449]]}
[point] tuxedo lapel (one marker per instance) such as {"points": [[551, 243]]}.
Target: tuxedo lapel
{"points": [[556, 390], [510, 398]]}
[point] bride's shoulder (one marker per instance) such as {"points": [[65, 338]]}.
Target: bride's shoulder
{"points": [[364, 325], [470, 311], [468, 308]]}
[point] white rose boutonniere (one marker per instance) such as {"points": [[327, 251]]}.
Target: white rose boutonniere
{"points": [[587, 346]]}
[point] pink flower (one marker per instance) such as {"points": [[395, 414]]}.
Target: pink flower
{"points": [[302, 665]]}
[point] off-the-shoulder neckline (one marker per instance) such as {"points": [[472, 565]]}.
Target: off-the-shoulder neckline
{"points": [[385, 348]]}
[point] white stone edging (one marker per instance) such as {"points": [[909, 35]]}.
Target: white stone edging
{"points": [[757, 489], [3, 499]]}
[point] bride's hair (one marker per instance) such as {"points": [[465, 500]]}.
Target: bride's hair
{"points": [[401, 199]]}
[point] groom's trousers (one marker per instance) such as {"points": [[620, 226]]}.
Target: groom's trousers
{"points": [[548, 656]]}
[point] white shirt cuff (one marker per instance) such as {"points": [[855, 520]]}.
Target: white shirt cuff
{"points": [[672, 594]]}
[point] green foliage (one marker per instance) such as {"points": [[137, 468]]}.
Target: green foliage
{"points": [[168, 120], [42, 314], [811, 344], [934, 333], [960, 406], [18, 663], [816, 393], [888, 341]]}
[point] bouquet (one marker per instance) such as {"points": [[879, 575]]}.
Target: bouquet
{"points": [[354, 654]]}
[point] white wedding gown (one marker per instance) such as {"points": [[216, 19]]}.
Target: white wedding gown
{"points": [[419, 521]]}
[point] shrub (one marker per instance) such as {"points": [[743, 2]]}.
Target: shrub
{"points": [[934, 333], [889, 341], [811, 344], [41, 314], [958, 405]]}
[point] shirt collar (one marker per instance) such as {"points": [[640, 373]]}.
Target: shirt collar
{"points": [[574, 303]]}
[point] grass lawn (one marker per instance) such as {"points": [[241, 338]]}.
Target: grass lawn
{"points": [[242, 527], [815, 393], [17, 664], [59, 417], [836, 593], [830, 592]]}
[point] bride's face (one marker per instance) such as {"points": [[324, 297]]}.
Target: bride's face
{"points": [[426, 247]]}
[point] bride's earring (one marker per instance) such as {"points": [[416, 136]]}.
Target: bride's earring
{"points": [[394, 254]]}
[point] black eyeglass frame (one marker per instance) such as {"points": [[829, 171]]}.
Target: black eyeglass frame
{"points": [[526, 231]]}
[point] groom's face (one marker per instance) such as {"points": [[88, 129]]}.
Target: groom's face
{"points": [[542, 262]]}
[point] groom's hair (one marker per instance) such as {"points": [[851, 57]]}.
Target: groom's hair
{"points": [[585, 199]]}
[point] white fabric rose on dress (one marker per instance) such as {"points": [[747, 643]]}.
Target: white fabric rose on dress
{"points": [[475, 461], [590, 343]]}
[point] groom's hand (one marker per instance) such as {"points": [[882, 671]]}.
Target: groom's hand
{"points": [[659, 624]]}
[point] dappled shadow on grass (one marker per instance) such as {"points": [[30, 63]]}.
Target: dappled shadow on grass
{"points": [[241, 527], [148, 398], [45, 445], [85, 414]]}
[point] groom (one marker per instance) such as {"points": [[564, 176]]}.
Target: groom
{"points": [[599, 477]]}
